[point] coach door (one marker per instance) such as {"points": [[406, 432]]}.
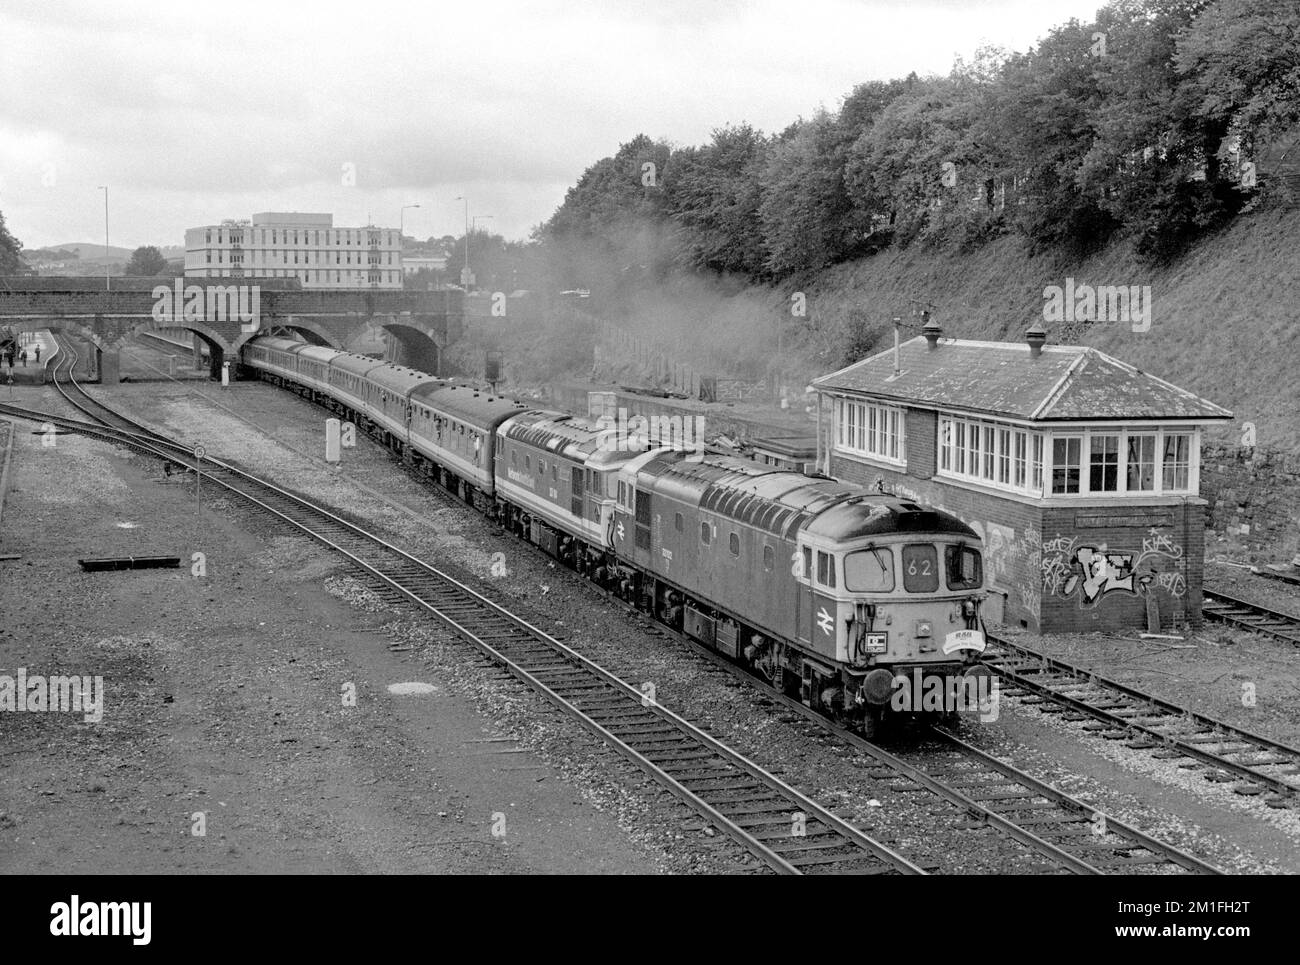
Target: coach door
{"points": [[805, 613]]}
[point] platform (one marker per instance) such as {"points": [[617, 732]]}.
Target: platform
{"points": [[34, 372]]}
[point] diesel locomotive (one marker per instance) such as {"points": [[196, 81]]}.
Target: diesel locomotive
{"points": [[832, 593]]}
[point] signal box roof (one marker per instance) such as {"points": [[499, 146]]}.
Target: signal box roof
{"points": [[1064, 383]]}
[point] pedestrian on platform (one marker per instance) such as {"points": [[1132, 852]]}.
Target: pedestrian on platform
{"points": [[22, 356], [37, 352]]}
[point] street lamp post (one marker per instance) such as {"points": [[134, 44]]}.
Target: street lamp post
{"points": [[401, 237], [464, 277], [401, 219], [107, 284]]}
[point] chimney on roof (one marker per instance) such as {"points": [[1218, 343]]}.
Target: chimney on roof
{"points": [[930, 330], [1036, 335]]}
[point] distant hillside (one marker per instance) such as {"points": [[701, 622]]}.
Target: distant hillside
{"points": [[1224, 319], [84, 250]]}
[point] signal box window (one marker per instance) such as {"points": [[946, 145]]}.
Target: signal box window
{"points": [[965, 568], [1066, 454], [825, 569], [920, 568], [869, 571]]}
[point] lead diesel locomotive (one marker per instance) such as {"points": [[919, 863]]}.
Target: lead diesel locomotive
{"points": [[832, 593]]}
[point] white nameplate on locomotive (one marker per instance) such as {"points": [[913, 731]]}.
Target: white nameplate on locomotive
{"points": [[963, 640]]}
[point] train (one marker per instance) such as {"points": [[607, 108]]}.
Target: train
{"points": [[837, 596]]}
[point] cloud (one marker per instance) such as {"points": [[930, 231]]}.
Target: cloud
{"points": [[191, 117]]}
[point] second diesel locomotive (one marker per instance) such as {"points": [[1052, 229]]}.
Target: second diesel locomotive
{"points": [[830, 592]]}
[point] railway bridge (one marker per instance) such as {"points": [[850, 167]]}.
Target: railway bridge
{"points": [[226, 313]]}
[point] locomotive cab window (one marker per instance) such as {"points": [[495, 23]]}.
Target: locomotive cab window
{"points": [[965, 568], [920, 568], [869, 571], [825, 569]]}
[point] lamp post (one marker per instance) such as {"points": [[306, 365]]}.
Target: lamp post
{"points": [[107, 284], [401, 219], [464, 275]]}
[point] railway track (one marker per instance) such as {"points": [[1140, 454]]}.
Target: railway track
{"points": [[1068, 834], [783, 828], [1227, 608], [1252, 763]]}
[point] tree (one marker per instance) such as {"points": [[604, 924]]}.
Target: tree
{"points": [[146, 260], [715, 195], [11, 262]]}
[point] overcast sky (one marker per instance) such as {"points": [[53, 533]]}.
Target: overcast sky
{"points": [[192, 113]]}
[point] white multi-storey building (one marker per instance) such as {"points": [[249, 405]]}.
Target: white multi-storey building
{"points": [[296, 245]]}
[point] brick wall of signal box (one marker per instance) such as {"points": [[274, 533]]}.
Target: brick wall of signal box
{"points": [[1031, 551]]}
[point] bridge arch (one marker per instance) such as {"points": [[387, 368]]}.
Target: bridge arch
{"points": [[414, 348], [312, 332], [218, 348]]}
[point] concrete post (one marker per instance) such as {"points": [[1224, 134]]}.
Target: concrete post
{"points": [[109, 366]]}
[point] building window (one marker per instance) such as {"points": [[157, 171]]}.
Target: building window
{"points": [[1141, 476], [1066, 455], [1103, 464], [990, 453], [871, 430], [1177, 462]]}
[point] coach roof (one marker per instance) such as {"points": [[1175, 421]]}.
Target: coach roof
{"points": [[477, 407]]}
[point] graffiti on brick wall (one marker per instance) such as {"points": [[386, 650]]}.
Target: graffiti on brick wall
{"points": [[999, 544], [1071, 568]]}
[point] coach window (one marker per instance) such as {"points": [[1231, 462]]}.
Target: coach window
{"points": [[734, 544], [677, 522], [706, 533], [514, 457], [541, 467], [825, 569], [869, 571], [769, 555]]}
